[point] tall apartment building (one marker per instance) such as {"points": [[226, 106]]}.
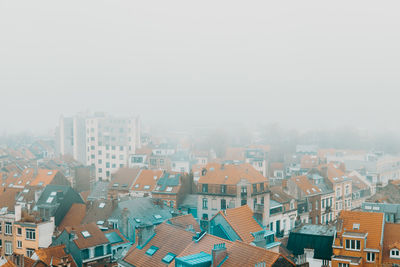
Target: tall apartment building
{"points": [[102, 141]]}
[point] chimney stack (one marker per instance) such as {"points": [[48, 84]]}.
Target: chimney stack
{"points": [[219, 253]]}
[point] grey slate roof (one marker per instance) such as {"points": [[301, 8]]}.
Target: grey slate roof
{"points": [[168, 179], [99, 191]]}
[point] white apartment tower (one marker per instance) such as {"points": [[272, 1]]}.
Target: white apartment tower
{"points": [[104, 142]]}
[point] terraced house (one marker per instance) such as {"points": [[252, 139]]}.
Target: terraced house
{"points": [[223, 186]]}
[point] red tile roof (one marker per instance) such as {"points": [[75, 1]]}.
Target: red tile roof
{"points": [[185, 221], [74, 216], [54, 255], [147, 178], [231, 174], [168, 238], [96, 237], [305, 185], [391, 239], [242, 221]]}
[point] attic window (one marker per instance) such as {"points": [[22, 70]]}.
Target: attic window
{"points": [[169, 257], [151, 250], [157, 216], [137, 186], [169, 189], [102, 205], [49, 200], [146, 187], [85, 234], [356, 226]]}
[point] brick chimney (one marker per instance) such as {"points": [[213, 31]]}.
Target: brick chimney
{"points": [[144, 234], [219, 253]]}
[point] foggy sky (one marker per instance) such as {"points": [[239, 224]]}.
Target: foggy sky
{"points": [[299, 63]]}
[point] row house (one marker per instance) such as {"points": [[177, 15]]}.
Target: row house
{"points": [[223, 186], [239, 224], [171, 189], [87, 244], [122, 181], [359, 239], [288, 215], [145, 183], [173, 246]]}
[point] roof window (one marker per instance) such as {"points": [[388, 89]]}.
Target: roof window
{"points": [[50, 199], [85, 234], [151, 250], [169, 258], [146, 187], [102, 205], [157, 216], [169, 189], [356, 226]]}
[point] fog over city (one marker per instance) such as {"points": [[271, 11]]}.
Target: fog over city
{"points": [[301, 64]]}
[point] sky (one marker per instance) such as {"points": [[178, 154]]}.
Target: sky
{"points": [[303, 64]]}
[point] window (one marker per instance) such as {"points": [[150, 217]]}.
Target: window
{"points": [[205, 203], [394, 253], [353, 244], [31, 234], [85, 234], [19, 231], [19, 244], [316, 204], [347, 190], [151, 250], [100, 161], [29, 252], [8, 228], [114, 165], [338, 192], [370, 257], [261, 187], [223, 204], [107, 164], [1, 243], [100, 170], [356, 226], [254, 188], [204, 188], [1, 227], [343, 264], [223, 189], [169, 258], [9, 249], [243, 202]]}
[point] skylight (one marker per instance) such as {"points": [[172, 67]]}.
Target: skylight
{"points": [[157, 216], [102, 205], [49, 200], [146, 187], [158, 187], [28, 182], [356, 226], [169, 257], [40, 184], [151, 250], [53, 193], [100, 222], [50, 173], [169, 189], [138, 220], [115, 185], [85, 234], [26, 190], [137, 186]]}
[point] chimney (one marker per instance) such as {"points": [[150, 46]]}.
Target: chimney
{"points": [[259, 240], [144, 234], [124, 221], [17, 212], [219, 253]]}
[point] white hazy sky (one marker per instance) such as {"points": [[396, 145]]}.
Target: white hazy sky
{"points": [[300, 63]]}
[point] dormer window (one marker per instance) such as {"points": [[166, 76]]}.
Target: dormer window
{"points": [[356, 226], [395, 253]]}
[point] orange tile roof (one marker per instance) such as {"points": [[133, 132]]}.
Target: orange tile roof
{"points": [[8, 197], [370, 222], [358, 183], [124, 176], [185, 221], [54, 255], [168, 238], [74, 216], [44, 176], [391, 239], [9, 264], [242, 221], [96, 237], [305, 185], [231, 174], [333, 172], [242, 254], [147, 178]]}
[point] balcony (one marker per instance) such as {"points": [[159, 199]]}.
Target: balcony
{"points": [[228, 190]]}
